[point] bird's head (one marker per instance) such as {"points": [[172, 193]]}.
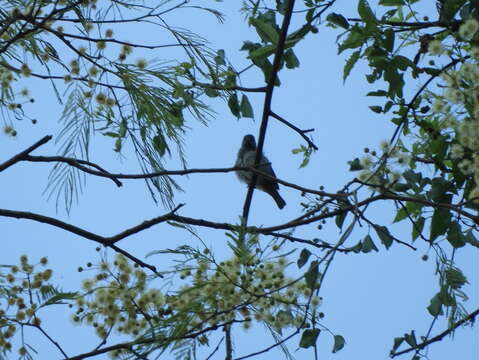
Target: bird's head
{"points": [[249, 142]]}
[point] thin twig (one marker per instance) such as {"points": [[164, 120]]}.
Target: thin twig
{"points": [[471, 317], [295, 128]]}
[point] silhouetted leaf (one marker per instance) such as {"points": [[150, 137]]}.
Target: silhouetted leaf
{"points": [[384, 235], [338, 343], [309, 338], [303, 257]]}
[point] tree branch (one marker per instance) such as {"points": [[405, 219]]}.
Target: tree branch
{"points": [[471, 317], [114, 177], [278, 55], [106, 241], [21, 156], [298, 130], [78, 163], [230, 88]]}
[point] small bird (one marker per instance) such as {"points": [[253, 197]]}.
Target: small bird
{"points": [[245, 158]]}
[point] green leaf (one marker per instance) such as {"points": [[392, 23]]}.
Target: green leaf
{"points": [[354, 40], [365, 12], [123, 128], [159, 144], [117, 147], [441, 220], [417, 227], [389, 40], [368, 245], [401, 215], [355, 165], [339, 220], [111, 134], [412, 177], [338, 19], [377, 93], [401, 187], [356, 248], [262, 52], [389, 104], [309, 337], [234, 105], [397, 342], [353, 59], [455, 278], [211, 92], [312, 275], [439, 188], [411, 339], [303, 257], [392, 2], [469, 238], [446, 298], [265, 30], [384, 235], [246, 108], [402, 62], [455, 236], [338, 343], [59, 298], [376, 109], [291, 60], [449, 8], [435, 306]]}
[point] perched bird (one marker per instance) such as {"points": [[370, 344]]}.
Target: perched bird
{"points": [[245, 158]]}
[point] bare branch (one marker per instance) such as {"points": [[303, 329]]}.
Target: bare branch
{"points": [[21, 156], [471, 317], [230, 88], [321, 245], [278, 55], [78, 163], [298, 130], [106, 241]]}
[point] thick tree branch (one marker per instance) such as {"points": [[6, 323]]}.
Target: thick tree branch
{"points": [[106, 241], [172, 216], [21, 156], [278, 55]]}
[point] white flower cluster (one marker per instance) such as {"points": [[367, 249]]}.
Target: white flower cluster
{"points": [[22, 290], [468, 29], [120, 297], [458, 110], [392, 159], [466, 32]]}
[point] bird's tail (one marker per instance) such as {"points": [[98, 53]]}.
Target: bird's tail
{"points": [[277, 198]]}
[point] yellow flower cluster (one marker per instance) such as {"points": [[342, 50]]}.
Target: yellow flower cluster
{"points": [[458, 109], [120, 297], [22, 286], [385, 168]]}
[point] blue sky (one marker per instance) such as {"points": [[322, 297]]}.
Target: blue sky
{"points": [[368, 298]]}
